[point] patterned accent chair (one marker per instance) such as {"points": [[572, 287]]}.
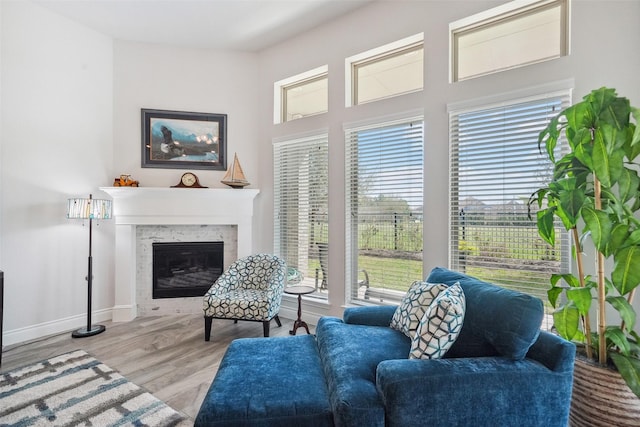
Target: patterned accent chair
{"points": [[250, 289]]}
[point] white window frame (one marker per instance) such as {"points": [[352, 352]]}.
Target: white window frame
{"points": [[381, 52], [539, 93], [279, 104], [353, 275], [305, 235], [504, 13]]}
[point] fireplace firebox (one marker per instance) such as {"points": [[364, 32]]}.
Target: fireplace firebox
{"points": [[186, 269]]}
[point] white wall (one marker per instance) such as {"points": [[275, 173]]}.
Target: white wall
{"points": [[70, 123], [178, 79], [56, 143]]}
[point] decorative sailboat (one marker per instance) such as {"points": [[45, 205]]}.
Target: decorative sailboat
{"points": [[235, 177]]}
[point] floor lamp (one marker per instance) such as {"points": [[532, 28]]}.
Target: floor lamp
{"points": [[89, 209]]}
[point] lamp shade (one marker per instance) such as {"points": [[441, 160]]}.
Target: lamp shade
{"points": [[89, 208]]}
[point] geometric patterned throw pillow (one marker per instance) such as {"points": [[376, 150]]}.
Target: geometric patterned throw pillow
{"points": [[440, 326], [413, 305]]}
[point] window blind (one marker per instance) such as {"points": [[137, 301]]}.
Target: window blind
{"points": [[495, 166], [384, 199], [301, 171]]}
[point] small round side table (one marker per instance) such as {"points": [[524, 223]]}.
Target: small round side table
{"points": [[299, 290]]}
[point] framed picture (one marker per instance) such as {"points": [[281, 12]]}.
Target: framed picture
{"points": [[181, 140]]}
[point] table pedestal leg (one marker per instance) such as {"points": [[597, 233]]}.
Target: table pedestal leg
{"points": [[299, 323]]}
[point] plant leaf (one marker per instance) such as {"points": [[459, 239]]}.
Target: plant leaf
{"points": [[628, 185], [549, 136], [580, 116], [612, 136], [581, 146], [619, 235], [612, 205], [615, 112], [553, 294], [616, 337], [607, 160], [626, 311], [631, 147], [599, 225], [600, 99], [569, 278], [537, 197], [581, 297], [626, 274], [566, 320], [634, 238], [571, 202], [546, 230], [629, 369]]}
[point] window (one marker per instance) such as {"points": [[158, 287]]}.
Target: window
{"points": [[390, 70], [301, 207], [302, 95], [509, 36], [384, 187], [495, 167]]}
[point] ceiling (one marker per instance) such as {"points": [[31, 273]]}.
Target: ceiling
{"points": [[246, 25]]}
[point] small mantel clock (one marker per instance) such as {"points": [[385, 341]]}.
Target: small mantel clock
{"points": [[188, 180]]}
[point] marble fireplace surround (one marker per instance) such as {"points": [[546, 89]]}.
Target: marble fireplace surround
{"points": [[148, 206]]}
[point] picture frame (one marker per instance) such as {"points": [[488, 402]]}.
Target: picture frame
{"points": [[183, 140]]}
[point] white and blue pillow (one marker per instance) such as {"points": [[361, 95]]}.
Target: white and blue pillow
{"points": [[418, 298], [440, 325]]}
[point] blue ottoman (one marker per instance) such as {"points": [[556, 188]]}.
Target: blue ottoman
{"points": [[274, 381]]}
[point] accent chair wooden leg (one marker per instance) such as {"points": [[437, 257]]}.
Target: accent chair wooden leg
{"points": [[207, 328], [278, 321], [265, 327]]}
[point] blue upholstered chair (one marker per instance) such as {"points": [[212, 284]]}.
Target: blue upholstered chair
{"points": [[502, 370], [250, 289]]}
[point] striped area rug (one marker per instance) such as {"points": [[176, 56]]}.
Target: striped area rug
{"points": [[76, 389]]}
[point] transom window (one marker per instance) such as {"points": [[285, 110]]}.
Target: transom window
{"points": [[389, 70], [303, 95], [509, 36]]}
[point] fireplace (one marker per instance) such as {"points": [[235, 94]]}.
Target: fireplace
{"points": [[145, 215], [186, 269]]}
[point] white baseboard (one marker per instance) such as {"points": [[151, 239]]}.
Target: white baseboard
{"points": [[124, 313], [29, 333]]}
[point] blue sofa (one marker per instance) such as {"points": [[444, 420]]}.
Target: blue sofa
{"points": [[501, 371]]}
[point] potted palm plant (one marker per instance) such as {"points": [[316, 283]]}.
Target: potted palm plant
{"points": [[595, 192]]}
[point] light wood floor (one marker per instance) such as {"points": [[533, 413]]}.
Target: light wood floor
{"points": [[167, 355]]}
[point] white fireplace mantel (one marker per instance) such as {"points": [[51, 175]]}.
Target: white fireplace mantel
{"points": [[134, 206]]}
